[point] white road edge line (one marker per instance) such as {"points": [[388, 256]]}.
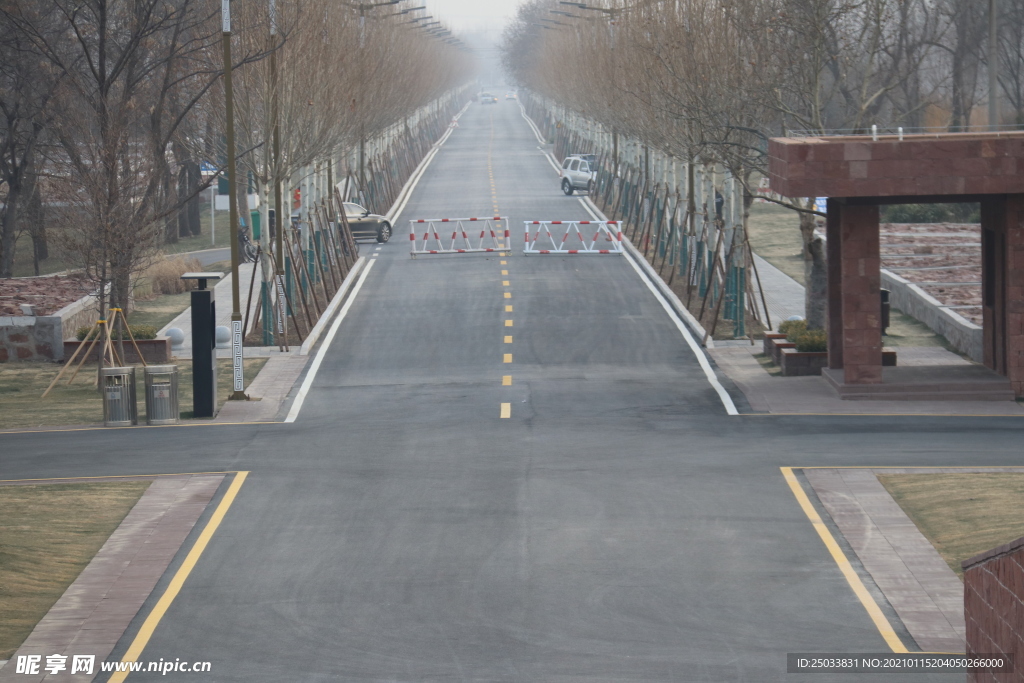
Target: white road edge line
{"points": [[396, 211], [730, 407], [300, 397], [414, 180], [318, 329], [709, 372]]}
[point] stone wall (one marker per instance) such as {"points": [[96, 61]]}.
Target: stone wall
{"points": [[964, 335], [26, 337], [994, 608]]}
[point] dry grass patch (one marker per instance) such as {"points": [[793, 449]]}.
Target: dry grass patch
{"points": [[48, 534], [22, 386], [961, 514]]}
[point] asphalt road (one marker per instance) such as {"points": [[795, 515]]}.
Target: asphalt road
{"points": [[618, 526]]}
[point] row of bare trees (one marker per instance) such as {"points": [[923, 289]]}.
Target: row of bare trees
{"points": [[712, 80], [110, 107]]}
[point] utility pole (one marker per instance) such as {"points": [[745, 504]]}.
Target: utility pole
{"points": [[236, 313], [282, 321], [993, 64]]}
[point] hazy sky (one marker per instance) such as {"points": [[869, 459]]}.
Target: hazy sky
{"points": [[474, 14]]}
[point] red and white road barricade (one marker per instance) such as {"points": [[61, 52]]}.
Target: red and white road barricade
{"points": [[572, 237], [458, 235]]}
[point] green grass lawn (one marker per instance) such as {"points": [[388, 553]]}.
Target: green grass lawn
{"points": [[161, 310], [962, 515], [48, 534], [22, 386], [775, 236]]}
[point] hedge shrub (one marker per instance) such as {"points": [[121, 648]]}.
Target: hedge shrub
{"points": [[792, 328], [138, 331], [811, 341]]}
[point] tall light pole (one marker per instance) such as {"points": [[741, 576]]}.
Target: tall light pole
{"points": [[282, 321], [611, 16], [236, 313]]}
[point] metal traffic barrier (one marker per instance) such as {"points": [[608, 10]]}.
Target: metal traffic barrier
{"points": [[161, 394], [119, 406]]}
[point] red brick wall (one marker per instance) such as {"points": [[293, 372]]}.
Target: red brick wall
{"points": [[861, 283], [972, 163], [1015, 292], [994, 608]]}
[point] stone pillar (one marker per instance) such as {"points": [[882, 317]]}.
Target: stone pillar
{"points": [[1014, 299], [861, 301], [834, 254]]}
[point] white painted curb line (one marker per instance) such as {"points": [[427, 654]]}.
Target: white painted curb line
{"points": [[318, 329], [300, 397]]}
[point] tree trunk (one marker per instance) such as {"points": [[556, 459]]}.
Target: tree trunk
{"points": [[816, 286], [36, 226], [815, 271], [9, 227]]}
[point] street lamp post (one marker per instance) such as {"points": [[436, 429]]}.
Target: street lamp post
{"points": [[611, 14], [282, 322], [236, 314]]}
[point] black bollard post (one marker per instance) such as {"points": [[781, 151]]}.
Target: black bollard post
{"points": [[204, 356]]}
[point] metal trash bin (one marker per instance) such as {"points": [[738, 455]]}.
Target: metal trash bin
{"points": [[161, 394], [886, 307], [119, 406]]}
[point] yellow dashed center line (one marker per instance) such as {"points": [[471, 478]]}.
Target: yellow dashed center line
{"points": [[504, 283], [506, 410], [508, 323], [508, 357], [506, 380], [508, 339], [504, 263], [508, 295], [508, 309]]}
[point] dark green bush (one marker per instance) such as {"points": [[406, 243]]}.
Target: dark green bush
{"points": [[811, 341], [931, 213], [138, 331], [791, 328]]}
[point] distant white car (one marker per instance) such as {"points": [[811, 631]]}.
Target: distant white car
{"points": [[488, 98], [510, 95], [578, 173]]}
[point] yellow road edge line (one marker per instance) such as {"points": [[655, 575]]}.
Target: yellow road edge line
{"points": [[506, 410], [874, 611], [506, 380], [174, 587]]}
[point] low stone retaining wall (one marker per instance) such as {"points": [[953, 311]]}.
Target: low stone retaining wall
{"points": [[994, 608], [915, 302], [27, 337]]}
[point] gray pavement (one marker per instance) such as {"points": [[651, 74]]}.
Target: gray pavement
{"points": [[618, 526], [785, 296]]}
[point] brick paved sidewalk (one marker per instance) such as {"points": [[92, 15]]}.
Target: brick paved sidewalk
{"points": [[93, 613], [270, 390]]}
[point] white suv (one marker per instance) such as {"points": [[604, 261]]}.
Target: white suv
{"points": [[579, 172]]}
